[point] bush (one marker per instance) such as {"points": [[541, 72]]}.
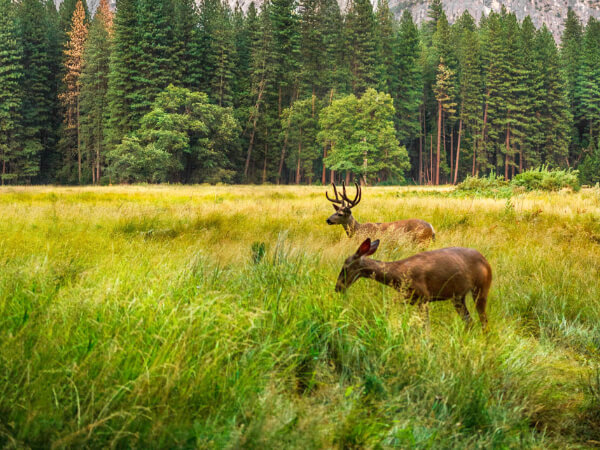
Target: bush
{"points": [[544, 179], [492, 185]]}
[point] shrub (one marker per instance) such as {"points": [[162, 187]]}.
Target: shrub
{"points": [[544, 179], [492, 185]]}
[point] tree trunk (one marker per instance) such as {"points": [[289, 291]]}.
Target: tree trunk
{"points": [[264, 171], [299, 154], [363, 181], [507, 152], [451, 153], [431, 159], [439, 136], [323, 176], [483, 131], [458, 151], [78, 144], [283, 149], [250, 148], [347, 177], [257, 107], [420, 177], [521, 159]]}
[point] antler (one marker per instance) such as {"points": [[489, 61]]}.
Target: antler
{"points": [[357, 197], [337, 199]]}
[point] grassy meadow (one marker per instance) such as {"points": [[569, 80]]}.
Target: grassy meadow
{"points": [[151, 317]]}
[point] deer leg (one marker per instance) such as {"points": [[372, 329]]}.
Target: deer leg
{"points": [[480, 304], [461, 309]]}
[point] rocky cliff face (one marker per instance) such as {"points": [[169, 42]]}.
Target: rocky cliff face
{"points": [[550, 12]]}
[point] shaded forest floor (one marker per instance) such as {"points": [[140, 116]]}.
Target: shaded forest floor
{"points": [[149, 316]]}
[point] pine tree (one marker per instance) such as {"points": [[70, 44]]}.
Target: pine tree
{"points": [[409, 88], [156, 53], [590, 81], [571, 54], [123, 78], [360, 40], [11, 141], [74, 65], [38, 86], [385, 39], [471, 88], [188, 49], [299, 123], [444, 94], [263, 83], [336, 71], [554, 114], [94, 88], [286, 48]]}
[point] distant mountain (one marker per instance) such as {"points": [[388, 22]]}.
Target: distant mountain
{"points": [[550, 12]]}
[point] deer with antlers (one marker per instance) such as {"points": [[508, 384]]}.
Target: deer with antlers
{"points": [[444, 274], [417, 228]]}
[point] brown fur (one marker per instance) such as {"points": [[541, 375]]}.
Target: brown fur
{"points": [[444, 274], [420, 230]]}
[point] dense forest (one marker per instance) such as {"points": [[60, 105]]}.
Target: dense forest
{"points": [[293, 91]]}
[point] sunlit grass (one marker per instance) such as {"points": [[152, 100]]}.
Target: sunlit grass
{"points": [[147, 316]]}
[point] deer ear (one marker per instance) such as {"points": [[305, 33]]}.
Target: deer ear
{"points": [[373, 248], [336, 207], [364, 248]]}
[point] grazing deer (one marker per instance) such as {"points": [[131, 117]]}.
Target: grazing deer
{"points": [[419, 229], [444, 274]]}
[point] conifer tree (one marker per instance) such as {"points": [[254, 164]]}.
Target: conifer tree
{"points": [[571, 54], [11, 140], [409, 87], [336, 70], [444, 94], [360, 39], [385, 39], [39, 85], [555, 118], [94, 88], [123, 79], [188, 49], [77, 36], [156, 53], [590, 81], [299, 123], [471, 88], [286, 48]]}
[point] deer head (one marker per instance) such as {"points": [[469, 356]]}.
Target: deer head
{"points": [[353, 266], [342, 205]]}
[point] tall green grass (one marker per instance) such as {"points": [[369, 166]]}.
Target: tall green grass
{"points": [[206, 317]]}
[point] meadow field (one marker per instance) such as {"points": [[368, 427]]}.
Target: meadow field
{"points": [[206, 317]]}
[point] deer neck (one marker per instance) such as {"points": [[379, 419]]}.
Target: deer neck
{"points": [[351, 227], [379, 270]]}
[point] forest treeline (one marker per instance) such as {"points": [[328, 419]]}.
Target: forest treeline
{"points": [[291, 91]]}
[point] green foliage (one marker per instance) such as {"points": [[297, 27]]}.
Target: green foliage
{"points": [[93, 97], [489, 186], [539, 179], [362, 137], [183, 138], [123, 80], [360, 37], [10, 94], [300, 123], [134, 162], [544, 179]]}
